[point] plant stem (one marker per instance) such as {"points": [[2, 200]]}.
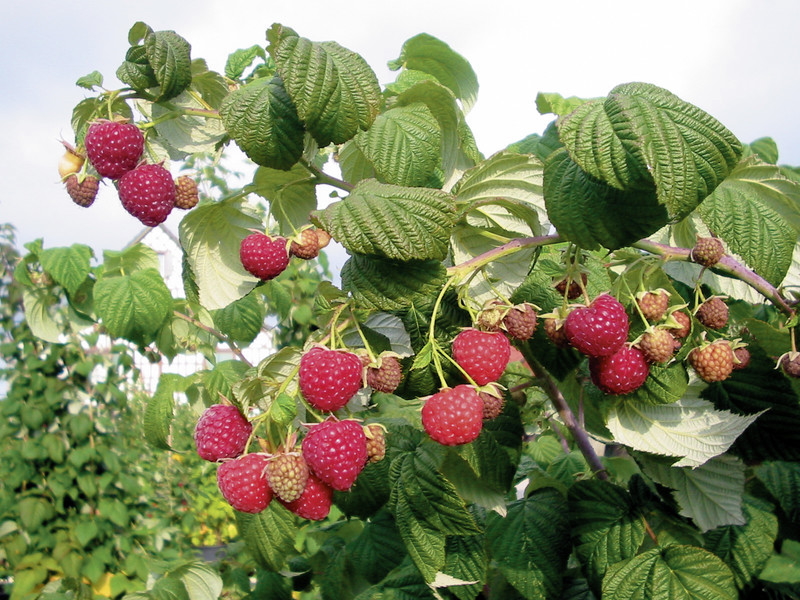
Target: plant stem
{"points": [[568, 417], [727, 265], [505, 250], [323, 178], [217, 334]]}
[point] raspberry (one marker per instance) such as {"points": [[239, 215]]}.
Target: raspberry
{"points": [[599, 329], [619, 373], [491, 317], [657, 345], [554, 329], [186, 195], [684, 322], [243, 483], [574, 290], [113, 148], [493, 401], [376, 442], [148, 193], [329, 378], [482, 354], [453, 416], [653, 304], [336, 452], [323, 238], [306, 246], [521, 321], [70, 162], [790, 364], [707, 251], [741, 358], [386, 376], [712, 362], [315, 501], [263, 256], [82, 191], [287, 473], [221, 432], [713, 313]]}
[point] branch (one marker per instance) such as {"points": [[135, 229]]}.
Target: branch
{"points": [[217, 334], [323, 178], [727, 265], [506, 249]]}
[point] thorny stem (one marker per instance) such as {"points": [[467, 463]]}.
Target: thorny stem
{"points": [[727, 265], [217, 334]]}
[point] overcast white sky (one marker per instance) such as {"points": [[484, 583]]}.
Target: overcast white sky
{"points": [[736, 59]]}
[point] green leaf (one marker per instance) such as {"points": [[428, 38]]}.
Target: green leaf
{"points": [[263, 121], [670, 573], [782, 480], [430, 55], [202, 581], [390, 221], [210, 235], [389, 327], [383, 285], [642, 135], [465, 566], [355, 166], [585, 210], [133, 306], [710, 495], [136, 70], [291, 194], [85, 532], [221, 380], [169, 56], [90, 81], [766, 149], [753, 196], [239, 60], [607, 526], [664, 385], [425, 545], [785, 566], [746, 548], [402, 145], [690, 428], [269, 535], [159, 411], [185, 134], [335, 90], [42, 315], [515, 542], [378, 549], [34, 511], [167, 588], [67, 266], [242, 319], [552, 103], [134, 258]]}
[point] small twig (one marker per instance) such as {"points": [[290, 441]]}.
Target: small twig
{"points": [[217, 334]]}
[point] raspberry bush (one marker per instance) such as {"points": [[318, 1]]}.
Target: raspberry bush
{"points": [[603, 475]]}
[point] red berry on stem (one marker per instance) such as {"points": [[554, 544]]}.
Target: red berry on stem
{"points": [[620, 373], [113, 148], [263, 256], [315, 502], [453, 416], [148, 193], [221, 432], [243, 483], [483, 355], [599, 329], [329, 378], [336, 452]]}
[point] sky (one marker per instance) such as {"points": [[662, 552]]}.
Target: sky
{"points": [[736, 59]]}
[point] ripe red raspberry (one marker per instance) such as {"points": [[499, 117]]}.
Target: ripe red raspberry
{"points": [[713, 313], [493, 402], [742, 358], [657, 345], [453, 416], [376, 442], [574, 290], [599, 329], [243, 483], [287, 473], [520, 321], [221, 432], [329, 378], [386, 376], [482, 354], [315, 502], [186, 195], [712, 362], [263, 256], [620, 373], [306, 245], [82, 191], [653, 304], [790, 364], [554, 329], [336, 452], [148, 193], [684, 322], [707, 251], [113, 148]]}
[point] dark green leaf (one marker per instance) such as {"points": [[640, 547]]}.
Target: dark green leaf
{"points": [[159, 411], [169, 56], [378, 549], [782, 479], [90, 81], [68, 266], [242, 319], [239, 60], [269, 535], [136, 70]]}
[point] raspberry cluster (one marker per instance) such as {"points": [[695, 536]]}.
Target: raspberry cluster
{"points": [[266, 257]]}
